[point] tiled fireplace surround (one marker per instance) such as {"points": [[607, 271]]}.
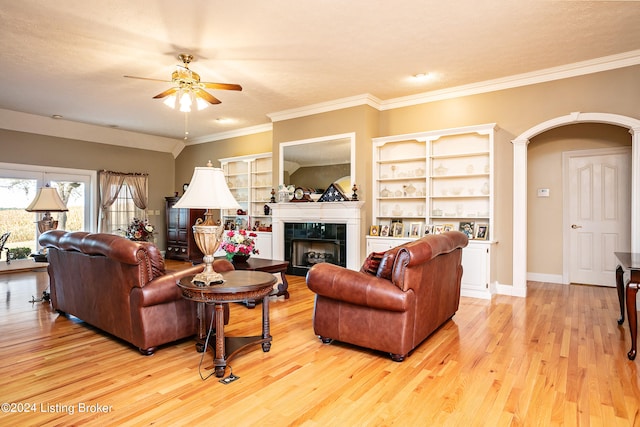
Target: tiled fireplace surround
{"points": [[348, 213]]}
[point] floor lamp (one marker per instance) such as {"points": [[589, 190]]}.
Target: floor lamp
{"points": [[207, 190], [47, 200]]}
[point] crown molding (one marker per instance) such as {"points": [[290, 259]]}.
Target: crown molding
{"points": [[605, 63], [267, 127], [41, 125], [576, 69], [324, 107]]}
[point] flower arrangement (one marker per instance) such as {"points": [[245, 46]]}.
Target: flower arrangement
{"points": [[240, 242], [140, 230]]}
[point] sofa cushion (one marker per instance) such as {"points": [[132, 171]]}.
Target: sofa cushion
{"points": [[372, 263]]}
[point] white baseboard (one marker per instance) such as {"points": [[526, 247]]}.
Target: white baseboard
{"points": [[548, 278]]}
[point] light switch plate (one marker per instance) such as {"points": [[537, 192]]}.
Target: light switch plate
{"points": [[543, 192]]}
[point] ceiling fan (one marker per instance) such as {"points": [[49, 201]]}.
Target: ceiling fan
{"points": [[188, 88]]}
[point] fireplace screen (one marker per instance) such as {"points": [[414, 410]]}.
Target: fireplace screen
{"points": [[308, 252], [310, 243]]}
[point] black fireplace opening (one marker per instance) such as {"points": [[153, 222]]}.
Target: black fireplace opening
{"points": [[310, 243]]}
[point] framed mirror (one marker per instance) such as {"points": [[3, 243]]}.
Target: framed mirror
{"points": [[316, 163]]}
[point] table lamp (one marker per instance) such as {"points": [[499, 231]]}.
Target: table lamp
{"points": [[47, 200], [207, 190]]}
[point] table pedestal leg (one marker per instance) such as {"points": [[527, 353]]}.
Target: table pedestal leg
{"points": [[283, 288], [620, 288], [219, 358], [632, 314]]}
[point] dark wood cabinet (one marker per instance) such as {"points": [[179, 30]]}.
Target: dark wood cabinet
{"points": [[180, 242]]}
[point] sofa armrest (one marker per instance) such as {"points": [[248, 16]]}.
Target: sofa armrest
{"points": [[163, 288], [355, 287]]}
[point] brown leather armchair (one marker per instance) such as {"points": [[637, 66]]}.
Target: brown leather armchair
{"points": [[395, 305], [121, 287]]}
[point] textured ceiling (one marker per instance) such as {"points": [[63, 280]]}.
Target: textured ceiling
{"points": [[69, 57]]}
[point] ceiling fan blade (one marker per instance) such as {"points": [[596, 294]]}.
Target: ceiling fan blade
{"points": [[222, 86], [147, 78], [208, 97], [166, 93]]}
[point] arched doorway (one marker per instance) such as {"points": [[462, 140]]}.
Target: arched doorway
{"points": [[520, 185]]}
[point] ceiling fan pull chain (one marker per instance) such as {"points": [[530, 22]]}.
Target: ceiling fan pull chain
{"points": [[186, 126]]}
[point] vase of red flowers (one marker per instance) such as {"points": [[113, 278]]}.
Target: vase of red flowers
{"points": [[239, 245]]}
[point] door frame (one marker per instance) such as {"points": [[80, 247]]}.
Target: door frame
{"points": [[520, 144], [566, 157]]}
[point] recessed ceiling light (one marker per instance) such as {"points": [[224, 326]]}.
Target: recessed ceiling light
{"points": [[56, 116], [423, 76], [225, 121]]}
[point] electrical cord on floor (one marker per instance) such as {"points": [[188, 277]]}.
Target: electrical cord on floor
{"points": [[204, 351], [225, 380]]}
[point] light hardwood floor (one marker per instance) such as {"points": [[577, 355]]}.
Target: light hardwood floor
{"points": [[557, 357]]}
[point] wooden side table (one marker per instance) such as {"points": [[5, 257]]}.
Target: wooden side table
{"points": [[629, 261], [238, 286], [267, 266]]}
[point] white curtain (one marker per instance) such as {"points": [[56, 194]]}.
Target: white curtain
{"points": [[111, 183]]}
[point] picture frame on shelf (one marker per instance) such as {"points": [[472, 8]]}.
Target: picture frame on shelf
{"points": [[468, 228], [428, 229], [397, 229], [374, 230], [384, 230], [481, 231], [448, 227], [438, 229], [415, 229]]}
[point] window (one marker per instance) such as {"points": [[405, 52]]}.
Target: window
{"points": [[123, 197], [18, 187], [122, 211]]}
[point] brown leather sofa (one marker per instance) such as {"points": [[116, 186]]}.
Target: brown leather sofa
{"points": [[396, 300], [120, 287]]}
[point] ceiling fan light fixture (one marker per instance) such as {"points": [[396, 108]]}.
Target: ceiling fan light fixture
{"points": [[170, 101], [201, 103], [185, 102]]}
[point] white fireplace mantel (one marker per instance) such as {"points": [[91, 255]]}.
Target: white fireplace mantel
{"points": [[349, 213]]}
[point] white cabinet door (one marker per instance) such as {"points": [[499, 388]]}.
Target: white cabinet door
{"points": [[381, 244], [263, 245], [475, 271]]}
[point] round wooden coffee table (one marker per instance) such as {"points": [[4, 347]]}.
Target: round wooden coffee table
{"points": [[238, 286]]}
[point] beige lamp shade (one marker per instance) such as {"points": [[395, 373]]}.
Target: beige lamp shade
{"points": [[47, 200], [207, 190]]}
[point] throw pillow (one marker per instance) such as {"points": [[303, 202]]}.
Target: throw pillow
{"points": [[372, 263], [386, 265]]}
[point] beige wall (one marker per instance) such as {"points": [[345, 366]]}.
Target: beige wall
{"points": [[544, 170], [32, 149], [199, 154]]}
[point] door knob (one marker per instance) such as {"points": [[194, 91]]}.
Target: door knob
{"points": [[574, 226]]}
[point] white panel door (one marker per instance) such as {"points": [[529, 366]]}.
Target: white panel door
{"points": [[599, 215]]}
